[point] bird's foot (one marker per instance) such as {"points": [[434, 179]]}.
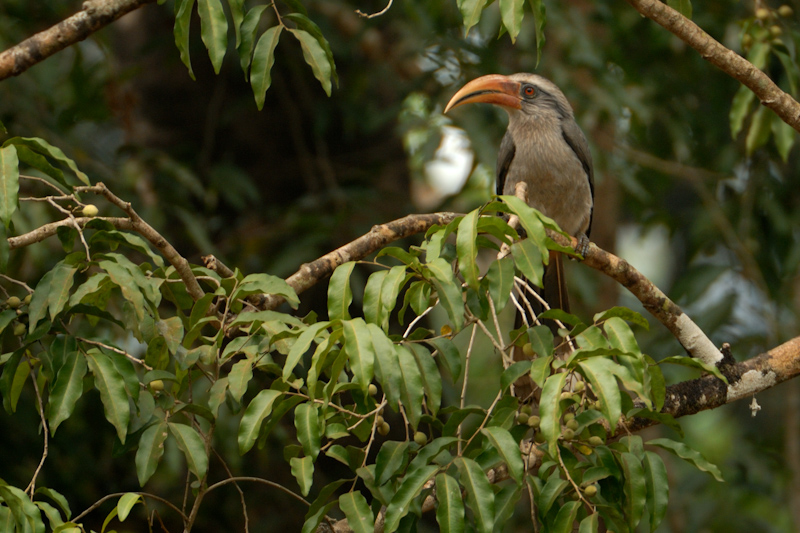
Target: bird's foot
{"points": [[583, 244]]}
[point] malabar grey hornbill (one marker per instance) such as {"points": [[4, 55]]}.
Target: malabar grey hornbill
{"points": [[546, 148]]}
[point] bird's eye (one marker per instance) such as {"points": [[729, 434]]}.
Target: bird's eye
{"points": [[529, 91]]}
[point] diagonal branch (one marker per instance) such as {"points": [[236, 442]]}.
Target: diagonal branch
{"points": [[95, 15], [723, 58]]}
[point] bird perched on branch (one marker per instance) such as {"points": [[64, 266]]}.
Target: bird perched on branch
{"points": [[546, 148]]}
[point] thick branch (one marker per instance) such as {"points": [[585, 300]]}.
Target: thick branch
{"points": [[96, 14], [378, 237], [726, 60]]}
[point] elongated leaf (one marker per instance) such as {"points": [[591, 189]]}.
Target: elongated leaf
{"points": [[300, 17], [45, 148], [247, 33], [410, 385], [505, 503], [360, 352], [239, 377], [111, 385], [449, 291], [183, 18], [126, 503], [9, 183], [339, 294], [391, 286], [263, 59], [213, 30], [467, 248], [480, 496], [540, 14], [67, 388], [392, 457], [471, 12], [590, 524], [258, 409], [657, 488], [513, 373], [300, 347], [500, 280], [604, 385], [691, 362], [266, 284], [408, 490], [620, 336], [54, 176], [565, 517], [387, 365], [511, 14], [550, 409], [315, 57], [151, 448], [450, 508], [508, 449], [760, 129], [191, 444], [356, 509], [550, 493], [372, 298], [320, 506], [237, 17], [687, 454], [303, 472], [431, 378], [634, 488], [528, 259], [306, 421]]}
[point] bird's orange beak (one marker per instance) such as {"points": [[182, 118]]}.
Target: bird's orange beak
{"points": [[490, 89]]}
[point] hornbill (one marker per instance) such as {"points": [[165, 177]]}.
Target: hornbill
{"points": [[546, 148]]}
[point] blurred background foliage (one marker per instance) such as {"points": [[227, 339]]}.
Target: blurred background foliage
{"points": [[713, 218]]}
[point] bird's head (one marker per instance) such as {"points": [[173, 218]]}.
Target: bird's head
{"points": [[528, 94]]}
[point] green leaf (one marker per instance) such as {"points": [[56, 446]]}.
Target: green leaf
{"points": [[303, 472], [193, 448], [386, 368], [540, 15], [450, 508], [590, 524], [111, 385], [315, 57], [508, 448], [566, 517], [471, 12], [263, 59], [171, 329], [239, 377], [691, 362], [126, 503], [52, 293], [45, 148], [266, 284], [237, 17], [687, 454], [511, 13], [67, 389], [306, 421], [657, 488], [356, 509], [53, 175], [620, 336], [431, 378], [513, 373], [785, 137], [213, 30], [528, 259], [390, 289], [760, 128], [9, 183], [449, 291], [304, 23], [604, 385], [151, 448], [505, 503], [624, 313], [467, 249], [532, 221], [360, 352], [634, 488], [300, 347], [392, 457], [449, 356], [684, 7], [500, 280], [247, 32], [320, 506], [410, 385], [372, 298], [550, 409], [401, 502], [550, 493], [58, 498], [480, 496], [258, 409], [339, 294]]}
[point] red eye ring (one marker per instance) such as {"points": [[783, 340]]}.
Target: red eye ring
{"points": [[529, 90]]}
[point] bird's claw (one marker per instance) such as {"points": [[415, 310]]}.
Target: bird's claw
{"points": [[583, 244]]}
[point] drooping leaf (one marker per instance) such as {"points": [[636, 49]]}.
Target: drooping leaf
{"points": [[471, 12], [257, 410], [401, 502], [339, 294], [360, 352], [511, 13], [467, 248], [306, 421], [500, 280], [111, 385], [431, 378], [213, 30], [357, 511], [566, 517], [687, 454], [410, 385], [392, 457], [45, 148], [550, 408], [449, 291], [480, 496], [634, 488], [237, 17], [315, 57], [247, 34], [9, 183], [604, 385], [508, 449], [450, 506], [126, 503], [67, 389], [657, 488], [191, 444], [303, 472], [263, 59]]}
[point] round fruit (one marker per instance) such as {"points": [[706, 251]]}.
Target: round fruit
{"points": [[566, 395], [538, 438], [762, 13], [590, 491], [568, 434], [13, 302], [372, 389], [383, 428], [527, 409], [785, 11], [156, 385], [446, 330], [595, 441], [572, 424], [579, 386], [378, 420], [90, 210], [522, 418], [19, 329], [534, 421], [527, 349], [569, 416], [27, 299], [776, 30], [420, 438]]}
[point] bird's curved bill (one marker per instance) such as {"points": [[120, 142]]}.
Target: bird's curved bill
{"points": [[490, 89]]}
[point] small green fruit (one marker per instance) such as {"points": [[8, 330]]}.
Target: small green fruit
{"points": [[538, 438], [527, 349], [372, 389], [572, 424], [590, 491], [19, 329], [762, 13], [13, 302], [27, 299], [534, 421], [378, 420], [420, 438], [569, 416], [579, 386], [776, 30], [522, 418], [90, 210], [527, 409], [566, 395], [595, 440], [156, 385], [785, 11], [568, 434], [384, 428]]}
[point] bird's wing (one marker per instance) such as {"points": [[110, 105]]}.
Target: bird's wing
{"points": [[504, 158], [577, 141]]}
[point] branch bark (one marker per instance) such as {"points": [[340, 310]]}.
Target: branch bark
{"points": [[723, 58], [95, 15]]}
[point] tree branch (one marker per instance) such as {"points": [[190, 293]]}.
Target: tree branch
{"points": [[95, 15], [721, 57]]}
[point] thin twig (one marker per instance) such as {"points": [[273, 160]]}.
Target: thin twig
{"points": [[31, 488], [225, 481], [116, 350], [466, 379], [107, 497], [378, 14]]}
